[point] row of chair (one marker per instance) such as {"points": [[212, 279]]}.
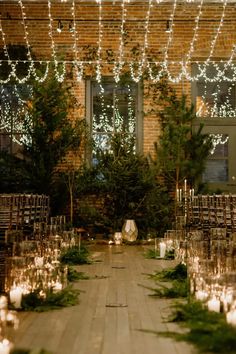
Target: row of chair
{"points": [[212, 211], [21, 210]]}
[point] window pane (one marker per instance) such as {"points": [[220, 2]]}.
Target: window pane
{"points": [[220, 145], [216, 98], [13, 115], [216, 171], [102, 140], [114, 110]]}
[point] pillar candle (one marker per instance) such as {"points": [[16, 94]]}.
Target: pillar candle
{"points": [[213, 305], [5, 346], [3, 302], [231, 317], [162, 249], [185, 185], [180, 195], [16, 297], [177, 195], [57, 286], [201, 295]]}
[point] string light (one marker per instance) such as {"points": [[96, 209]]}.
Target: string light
{"points": [[118, 66], [170, 36], [227, 72], [218, 139], [13, 121], [100, 35], [194, 39], [7, 56], [139, 74], [26, 34], [216, 108], [109, 118], [59, 77], [163, 66], [218, 31], [78, 64]]}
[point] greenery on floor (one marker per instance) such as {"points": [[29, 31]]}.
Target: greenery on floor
{"points": [[176, 290], [30, 351], [152, 254], [51, 301], [177, 279], [208, 331], [73, 275], [179, 272], [75, 255]]}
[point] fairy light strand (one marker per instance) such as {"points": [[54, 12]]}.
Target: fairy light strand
{"points": [[100, 36], [227, 72], [7, 56], [194, 40], [74, 34], [119, 65], [170, 37], [26, 36], [141, 65], [59, 77]]}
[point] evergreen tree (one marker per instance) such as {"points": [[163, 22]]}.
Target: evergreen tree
{"points": [[127, 183], [182, 151], [51, 133]]}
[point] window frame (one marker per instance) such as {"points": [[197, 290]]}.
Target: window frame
{"points": [[225, 126], [194, 91], [138, 113]]}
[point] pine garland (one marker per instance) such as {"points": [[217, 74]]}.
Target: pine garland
{"points": [[30, 351], [64, 298], [152, 254], [207, 330], [73, 275], [179, 272], [177, 277], [75, 256]]}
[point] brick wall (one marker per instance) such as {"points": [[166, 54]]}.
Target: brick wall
{"points": [[87, 18]]}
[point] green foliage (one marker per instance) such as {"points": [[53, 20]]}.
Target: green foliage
{"points": [[179, 272], [14, 175], [182, 151], [176, 290], [15, 52], [152, 254], [50, 136], [74, 256], [34, 302], [30, 351], [52, 133], [207, 330], [73, 275], [177, 277], [127, 183]]}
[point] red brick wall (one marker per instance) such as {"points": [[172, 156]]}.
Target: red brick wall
{"points": [[87, 27]]}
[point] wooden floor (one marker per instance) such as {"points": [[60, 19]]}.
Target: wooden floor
{"points": [[115, 315]]}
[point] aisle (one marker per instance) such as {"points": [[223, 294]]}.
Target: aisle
{"points": [[115, 314]]}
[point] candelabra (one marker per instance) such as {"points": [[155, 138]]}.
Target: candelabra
{"points": [[184, 196]]}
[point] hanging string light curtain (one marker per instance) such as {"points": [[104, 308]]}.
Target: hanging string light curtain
{"points": [[225, 72], [141, 64]]}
